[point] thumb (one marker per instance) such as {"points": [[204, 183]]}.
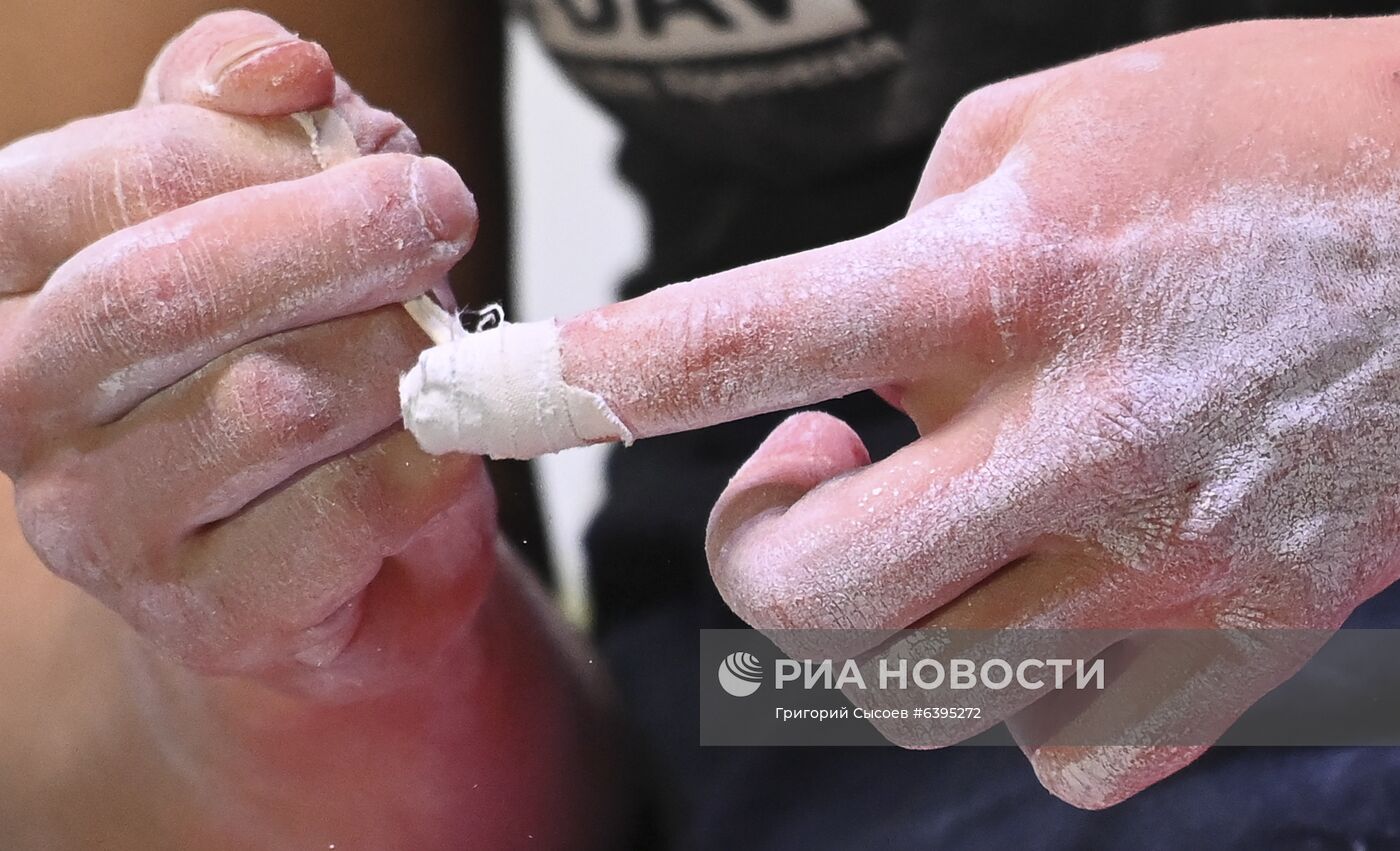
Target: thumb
{"points": [[807, 450], [241, 63]]}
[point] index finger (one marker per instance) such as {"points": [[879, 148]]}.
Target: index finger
{"points": [[876, 310]]}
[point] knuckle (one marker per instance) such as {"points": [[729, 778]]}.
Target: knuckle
{"points": [[981, 130], [174, 163], [990, 111], [76, 531], [268, 404], [17, 272], [149, 302], [142, 175], [977, 105]]}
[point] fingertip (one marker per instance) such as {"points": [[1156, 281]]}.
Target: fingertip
{"points": [[376, 131], [807, 449], [395, 138], [448, 207], [812, 445], [1074, 775]]}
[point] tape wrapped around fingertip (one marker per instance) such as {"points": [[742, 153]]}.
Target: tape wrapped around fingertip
{"points": [[501, 393]]}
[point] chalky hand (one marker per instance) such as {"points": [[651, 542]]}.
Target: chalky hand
{"points": [[1145, 311]]}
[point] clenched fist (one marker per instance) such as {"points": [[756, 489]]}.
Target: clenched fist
{"points": [[200, 340]]}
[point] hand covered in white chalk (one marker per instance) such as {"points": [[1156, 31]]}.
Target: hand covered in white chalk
{"points": [[1145, 311], [199, 348]]}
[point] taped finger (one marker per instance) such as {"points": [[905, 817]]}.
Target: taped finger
{"points": [[882, 309]]}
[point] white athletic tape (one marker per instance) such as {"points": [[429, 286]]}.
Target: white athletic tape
{"points": [[501, 393]]}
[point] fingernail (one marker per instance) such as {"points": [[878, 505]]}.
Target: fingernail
{"points": [[236, 55], [448, 208]]}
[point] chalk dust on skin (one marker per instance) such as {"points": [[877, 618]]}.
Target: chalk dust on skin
{"points": [[1223, 393], [1218, 410], [331, 143]]}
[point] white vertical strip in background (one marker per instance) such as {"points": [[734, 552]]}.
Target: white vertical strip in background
{"points": [[578, 232]]}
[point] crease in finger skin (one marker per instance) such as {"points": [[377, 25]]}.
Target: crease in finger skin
{"points": [[324, 642], [332, 142], [1170, 695], [887, 544], [353, 511], [1053, 604], [249, 624]]}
